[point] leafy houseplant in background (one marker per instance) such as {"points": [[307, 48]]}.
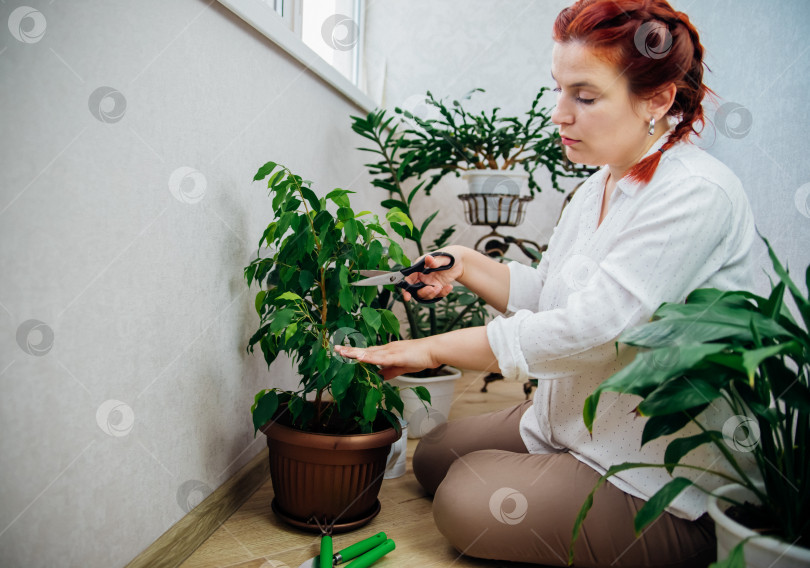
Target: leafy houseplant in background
{"points": [[750, 352], [461, 308], [329, 439], [457, 141]]}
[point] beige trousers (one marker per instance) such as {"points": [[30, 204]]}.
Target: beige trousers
{"points": [[492, 499]]}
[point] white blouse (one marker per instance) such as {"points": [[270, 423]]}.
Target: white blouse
{"points": [[690, 227]]}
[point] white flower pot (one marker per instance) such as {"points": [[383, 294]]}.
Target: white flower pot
{"points": [[397, 458], [760, 552], [504, 182], [422, 420]]}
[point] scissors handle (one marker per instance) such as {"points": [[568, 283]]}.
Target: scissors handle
{"points": [[420, 267]]}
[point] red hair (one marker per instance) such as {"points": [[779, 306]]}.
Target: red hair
{"points": [[653, 46]]}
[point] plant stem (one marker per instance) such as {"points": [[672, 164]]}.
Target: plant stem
{"points": [[322, 286]]}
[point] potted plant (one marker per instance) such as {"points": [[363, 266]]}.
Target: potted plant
{"points": [[750, 352], [329, 439], [487, 148], [461, 308]]}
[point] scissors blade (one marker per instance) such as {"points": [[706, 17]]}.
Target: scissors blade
{"points": [[381, 279]]}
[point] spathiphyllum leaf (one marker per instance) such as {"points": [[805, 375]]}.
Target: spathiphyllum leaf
{"points": [[653, 508]]}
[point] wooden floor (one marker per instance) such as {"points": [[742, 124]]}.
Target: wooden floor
{"points": [[254, 538]]}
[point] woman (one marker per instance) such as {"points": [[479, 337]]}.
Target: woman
{"points": [[660, 219]]}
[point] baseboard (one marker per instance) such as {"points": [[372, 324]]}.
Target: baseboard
{"points": [[177, 543]]}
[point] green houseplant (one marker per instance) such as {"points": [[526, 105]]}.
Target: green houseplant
{"points": [[750, 352], [458, 141], [305, 307]]}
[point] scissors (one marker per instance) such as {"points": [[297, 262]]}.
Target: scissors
{"points": [[365, 552], [397, 277]]}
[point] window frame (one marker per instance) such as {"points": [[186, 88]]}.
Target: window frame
{"points": [[285, 32]]}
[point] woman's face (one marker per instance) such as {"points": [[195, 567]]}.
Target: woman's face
{"points": [[598, 118]]}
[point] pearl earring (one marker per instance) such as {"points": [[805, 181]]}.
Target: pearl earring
{"points": [[651, 130]]}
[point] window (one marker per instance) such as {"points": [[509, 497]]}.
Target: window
{"points": [[325, 35], [331, 28]]}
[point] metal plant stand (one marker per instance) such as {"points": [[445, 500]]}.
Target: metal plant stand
{"points": [[496, 210]]}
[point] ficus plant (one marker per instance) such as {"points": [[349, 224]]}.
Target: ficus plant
{"points": [[750, 352], [307, 257]]}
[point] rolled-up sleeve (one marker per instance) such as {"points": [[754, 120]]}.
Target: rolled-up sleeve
{"points": [[525, 285]]}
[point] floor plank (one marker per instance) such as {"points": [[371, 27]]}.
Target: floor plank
{"points": [[254, 538]]}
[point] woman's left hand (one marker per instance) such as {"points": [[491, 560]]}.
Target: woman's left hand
{"points": [[395, 358]]}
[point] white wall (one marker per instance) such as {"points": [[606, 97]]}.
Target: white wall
{"points": [[757, 51], [143, 293]]}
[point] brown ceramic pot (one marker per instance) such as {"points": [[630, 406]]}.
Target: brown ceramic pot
{"points": [[330, 477]]}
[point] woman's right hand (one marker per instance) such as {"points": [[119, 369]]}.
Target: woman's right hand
{"points": [[438, 284]]}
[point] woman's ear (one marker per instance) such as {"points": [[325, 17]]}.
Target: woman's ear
{"points": [[659, 104]]}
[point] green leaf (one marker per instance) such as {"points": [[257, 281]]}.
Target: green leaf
{"points": [[375, 252], [392, 398], [679, 447], [390, 322], [427, 222], [646, 373], [586, 506], [339, 197], [342, 381], [681, 393], [346, 298], [305, 279], [402, 231], [698, 323], [801, 302], [310, 196], [264, 170], [296, 405], [752, 359], [259, 300], [345, 213], [396, 254], [281, 319], [371, 317], [265, 410], [666, 424], [422, 393], [394, 204], [290, 331], [373, 398], [395, 215], [289, 296], [350, 230], [653, 508]]}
